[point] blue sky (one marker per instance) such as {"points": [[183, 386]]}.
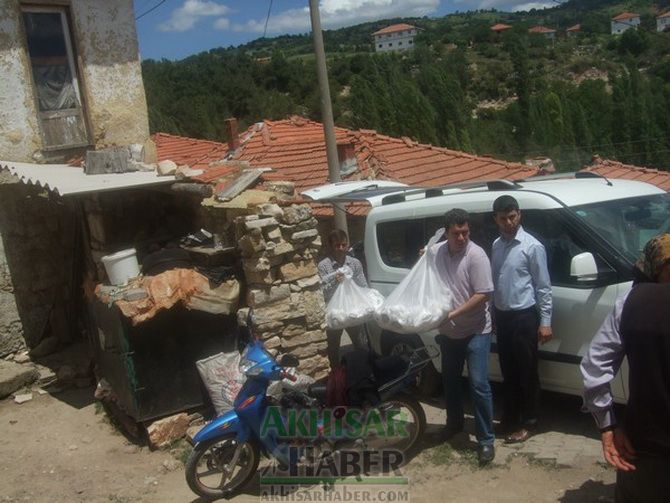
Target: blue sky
{"points": [[179, 28]]}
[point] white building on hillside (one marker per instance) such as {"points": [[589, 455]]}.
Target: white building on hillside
{"points": [[663, 22], [624, 21], [397, 37]]}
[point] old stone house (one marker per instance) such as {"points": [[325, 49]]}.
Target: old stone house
{"points": [[71, 82]]}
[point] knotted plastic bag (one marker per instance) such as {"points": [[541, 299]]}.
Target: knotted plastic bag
{"points": [[351, 304], [422, 300]]}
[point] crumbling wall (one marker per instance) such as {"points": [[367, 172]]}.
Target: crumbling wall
{"points": [[38, 236], [279, 248], [105, 39], [19, 130]]}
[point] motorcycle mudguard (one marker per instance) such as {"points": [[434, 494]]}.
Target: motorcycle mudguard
{"points": [[223, 425]]}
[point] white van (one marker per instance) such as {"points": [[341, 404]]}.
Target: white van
{"points": [[593, 230]]}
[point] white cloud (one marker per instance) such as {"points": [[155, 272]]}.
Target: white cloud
{"points": [[222, 23], [338, 13], [185, 17], [504, 5]]}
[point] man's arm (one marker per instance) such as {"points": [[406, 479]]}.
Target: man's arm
{"points": [[472, 303], [479, 271], [358, 274], [542, 285], [328, 279], [598, 368]]}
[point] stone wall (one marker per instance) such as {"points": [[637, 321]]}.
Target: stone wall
{"points": [[36, 267], [279, 247]]}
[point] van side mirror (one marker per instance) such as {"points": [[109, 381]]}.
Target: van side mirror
{"points": [[583, 267]]}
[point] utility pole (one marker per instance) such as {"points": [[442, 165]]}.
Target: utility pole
{"points": [[327, 111]]}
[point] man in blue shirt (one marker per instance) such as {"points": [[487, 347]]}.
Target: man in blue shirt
{"points": [[523, 304]]}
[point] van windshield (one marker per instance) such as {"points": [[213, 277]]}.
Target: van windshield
{"points": [[628, 223]]}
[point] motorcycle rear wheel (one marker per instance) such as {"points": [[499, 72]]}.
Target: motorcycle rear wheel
{"points": [[412, 420], [205, 467]]}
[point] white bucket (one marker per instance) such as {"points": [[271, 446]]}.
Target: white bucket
{"points": [[121, 266]]}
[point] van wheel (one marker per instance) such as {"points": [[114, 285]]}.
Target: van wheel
{"points": [[428, 382]]}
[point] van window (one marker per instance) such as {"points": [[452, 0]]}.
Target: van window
{"points": [[628, 223], [561, 243], [400, 241]]}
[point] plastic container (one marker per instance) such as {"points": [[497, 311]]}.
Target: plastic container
{"points": [[121, 266]]}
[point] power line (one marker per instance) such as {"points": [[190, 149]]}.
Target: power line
{"points": [[265, 30], [161, 2]]}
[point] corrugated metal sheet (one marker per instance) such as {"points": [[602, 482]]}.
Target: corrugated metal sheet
{"points": [[69, 180]]}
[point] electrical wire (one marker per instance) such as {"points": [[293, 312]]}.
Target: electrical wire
{"points": [[161, 2], [265, 30]]}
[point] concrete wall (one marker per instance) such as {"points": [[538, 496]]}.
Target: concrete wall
{"points": [[105, 42], [398, 41]]}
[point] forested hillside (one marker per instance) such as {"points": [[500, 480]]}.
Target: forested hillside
{"points": [[513, 96]]}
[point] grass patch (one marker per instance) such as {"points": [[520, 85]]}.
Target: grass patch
{"points": [[180, 450], [446, 453], [547, 464]]}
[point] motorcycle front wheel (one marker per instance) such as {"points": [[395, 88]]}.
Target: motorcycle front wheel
{"points": [[208, 470]]}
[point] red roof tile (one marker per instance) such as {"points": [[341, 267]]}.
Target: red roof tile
{"points": [[295, 149], [625, 15], [394, 28], [197, 154], [615, 169], [541, 29], [500, 27]]}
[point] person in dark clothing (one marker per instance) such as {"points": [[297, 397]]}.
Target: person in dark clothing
{"points": [[639, 329]]}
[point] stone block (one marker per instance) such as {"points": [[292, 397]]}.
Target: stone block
{"points": [[297, 270], [302, 235], [257, 297], [270, 210], [166, 167], [258, 271], [270, 327], [301, 226], [313, 336], [275, 311], [281, 248], [261, 223], [14, 376], [314, 307], [287, 188], [293, 329], [109, 160], [297, 213], [272, 342], [163, 432], [274, 234], [309, 350], [250, 245], [314, 364], [309, 282]]}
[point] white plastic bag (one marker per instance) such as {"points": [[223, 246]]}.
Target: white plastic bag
{"points": [[351, 304], [421, 301], [223, 379]]}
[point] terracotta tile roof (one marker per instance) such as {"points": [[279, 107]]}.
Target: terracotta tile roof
{"points": [[500, 27], [625, 15], [295, 149], [541, 29], [615, 169], [197, 154], [666, 14], [394, 28], [576, 27]]}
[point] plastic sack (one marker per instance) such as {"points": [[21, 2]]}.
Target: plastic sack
{"points": [[421, 301], [351, 304], [223, 379]]}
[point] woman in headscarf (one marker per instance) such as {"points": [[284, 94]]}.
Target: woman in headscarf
{"points": [[638, 328]]}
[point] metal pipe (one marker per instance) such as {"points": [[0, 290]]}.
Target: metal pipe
{"points": [[327, 111]]}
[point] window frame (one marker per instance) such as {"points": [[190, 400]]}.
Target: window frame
{"points": [[75, 71]]}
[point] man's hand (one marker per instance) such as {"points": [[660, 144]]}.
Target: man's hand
{"points": [[544, 334], [618, 450], [339, 277]]}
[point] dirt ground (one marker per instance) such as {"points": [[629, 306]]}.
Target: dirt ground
{"points": [[62, 448]]}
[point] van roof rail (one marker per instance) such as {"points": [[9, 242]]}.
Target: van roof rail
{"points": [[570, 174], [401, 195]]}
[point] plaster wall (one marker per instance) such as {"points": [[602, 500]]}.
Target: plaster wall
{"points": [[110, 77]]}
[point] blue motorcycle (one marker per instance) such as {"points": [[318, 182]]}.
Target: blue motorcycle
{"points": [[226, 452]]}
